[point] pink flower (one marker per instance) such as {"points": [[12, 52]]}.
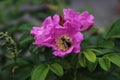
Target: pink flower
{"points": [[66, 40], [63, 39], [42, 33], [63, 34], [87, 21], [82, 21]]}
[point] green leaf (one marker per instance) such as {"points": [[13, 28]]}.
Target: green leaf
{"points": [[40, 72], [97, 52], [26, 40], [114, 31], [23, 72], [81, 60], [10, 56], [114, 58], [33, 48], [90, 55], [26, 27], [104, 63], [106, 44], [92, 66], [56, 68], [64, 63]]}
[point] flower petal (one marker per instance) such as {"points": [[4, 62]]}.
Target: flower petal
{"points": [[59, 53], [70, 14]]}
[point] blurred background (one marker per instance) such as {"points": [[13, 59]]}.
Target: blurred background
{"points": [[14, 12], [17, 17], [105, 11]]}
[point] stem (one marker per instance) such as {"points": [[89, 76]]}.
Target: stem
{"points": [[75, 74], [75, 70], [12, 75]]}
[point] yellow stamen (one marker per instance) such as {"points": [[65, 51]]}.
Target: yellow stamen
{"points": [[63, 42]]}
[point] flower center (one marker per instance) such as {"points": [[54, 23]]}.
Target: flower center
{"points": [[64, 42]]}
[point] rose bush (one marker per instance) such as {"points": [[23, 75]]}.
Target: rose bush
{"points": [[59, 46]]}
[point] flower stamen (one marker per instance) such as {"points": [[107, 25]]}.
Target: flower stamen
{"points": [[64, 42]]}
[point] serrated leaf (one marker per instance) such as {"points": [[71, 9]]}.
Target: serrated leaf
{"points": [[114, 31], [90, 55], [104, 63], [81, 60], [56, 68], [40, 72], [114, 58]]}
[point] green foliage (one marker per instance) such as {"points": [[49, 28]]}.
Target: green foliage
{"points": [[57, 69], [40, 72], [114, 31], [104, 64], [106, 43], [90, 55], [82, 60], [92, 66], [114, 58], [10, 45], [21, 60]]}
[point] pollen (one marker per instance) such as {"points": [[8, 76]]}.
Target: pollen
{"points": [[64, 42]]}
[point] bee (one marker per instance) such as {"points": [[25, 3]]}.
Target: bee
{"points": [[66, 42]]}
